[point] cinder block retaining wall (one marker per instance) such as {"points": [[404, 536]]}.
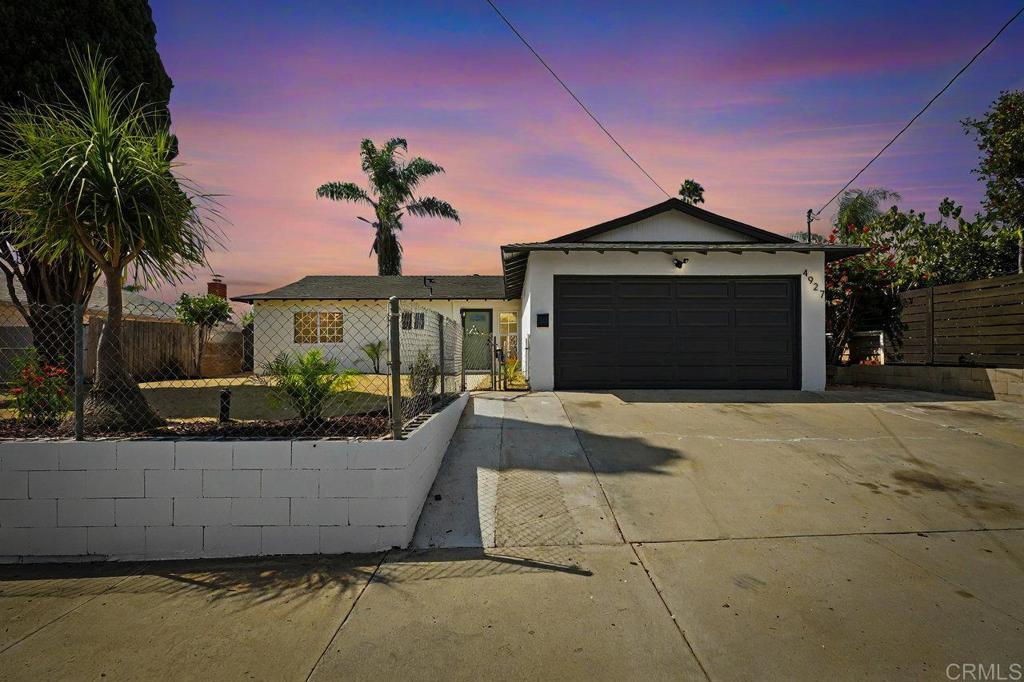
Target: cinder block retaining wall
{"points": [[97, 500], [981, 382]]}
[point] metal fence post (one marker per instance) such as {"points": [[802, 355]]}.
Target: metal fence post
{"points": [[490, 367], [440, 351], [394, 320], [79, 323]]}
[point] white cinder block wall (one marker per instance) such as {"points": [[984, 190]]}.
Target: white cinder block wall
{"points": [[67, 500]]}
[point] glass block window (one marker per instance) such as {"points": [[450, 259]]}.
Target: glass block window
{"points": [[317, 327], [331, 328], [304, 327]]}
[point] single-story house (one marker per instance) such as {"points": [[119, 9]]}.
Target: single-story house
{"points": [[672, 296], [341, 314]]}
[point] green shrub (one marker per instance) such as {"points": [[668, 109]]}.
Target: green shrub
{"points": [[423, 379], [514, 378], [307, 382], [41, 392]]}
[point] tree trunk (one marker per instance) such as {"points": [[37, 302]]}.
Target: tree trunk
{"points": [[50, 292], [115, 402], [202, 334], [389, 256], [53, 334]]}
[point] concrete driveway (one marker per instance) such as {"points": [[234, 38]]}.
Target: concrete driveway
{"points": [[600, 536]]}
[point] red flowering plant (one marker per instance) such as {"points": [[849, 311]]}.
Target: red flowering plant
{"points": [[862, 291], [41, 392], [905, 252]]}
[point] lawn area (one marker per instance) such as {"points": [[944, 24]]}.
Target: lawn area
{"points": [[252, 398]]}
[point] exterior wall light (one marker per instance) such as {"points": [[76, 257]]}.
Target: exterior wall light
{"points": [[680, 263]]}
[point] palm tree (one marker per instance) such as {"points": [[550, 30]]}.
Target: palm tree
{"points": [[861, 207], [692, 192], [391, 194], [95, 180]]}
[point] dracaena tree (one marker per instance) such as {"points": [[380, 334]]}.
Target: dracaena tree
{"points": [[93, 177], [38, 67], [391, 193]]}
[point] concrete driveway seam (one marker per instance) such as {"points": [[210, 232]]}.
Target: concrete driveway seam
{"points": [[951, 583], [866, 533], [76, 607], [632, 546], [348, 614]]}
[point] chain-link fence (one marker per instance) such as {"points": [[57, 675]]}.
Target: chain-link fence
{"points": [[287, 370], [431, 358]]}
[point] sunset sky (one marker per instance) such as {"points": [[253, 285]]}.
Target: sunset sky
{"points": [[771, 106]]}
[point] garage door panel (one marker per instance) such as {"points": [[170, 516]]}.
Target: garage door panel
{"points": [[764, 318], [645, 290], [660, 345], [703, 318], [697, 290], [762, 373], [717, 346], [704, 374], [778, 345], [582, 290], [778, 290], [644, 318], [578, 316], [676, 332]]}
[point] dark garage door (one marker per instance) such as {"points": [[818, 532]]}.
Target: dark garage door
{"points": [[676, 332]]}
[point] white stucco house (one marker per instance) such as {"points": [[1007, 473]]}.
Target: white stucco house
{"points": [[672, 296]]}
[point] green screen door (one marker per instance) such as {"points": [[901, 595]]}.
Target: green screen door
{"points": [[476, 325]]}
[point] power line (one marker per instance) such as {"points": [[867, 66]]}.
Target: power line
{"points": [[918, 115], [573, 95]]}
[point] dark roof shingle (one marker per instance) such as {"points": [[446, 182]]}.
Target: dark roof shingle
{"points": [[376, 287]]}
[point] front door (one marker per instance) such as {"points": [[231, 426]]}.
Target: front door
{"points": [[476, 349]]}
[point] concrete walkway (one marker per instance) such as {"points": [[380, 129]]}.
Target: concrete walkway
{"points": [[598, 536]]}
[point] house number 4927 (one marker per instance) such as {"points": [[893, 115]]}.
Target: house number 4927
{"points": [[814, 285]]}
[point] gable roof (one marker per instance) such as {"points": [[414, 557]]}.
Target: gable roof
{"points": [[515, 257], [674, 204], [382, 287], [134, 304]]}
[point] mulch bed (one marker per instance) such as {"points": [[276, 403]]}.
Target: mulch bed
{"points": [[349, 426], [369, 425]]}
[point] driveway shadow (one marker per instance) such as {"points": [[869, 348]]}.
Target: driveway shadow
{"points": [[517, 474], [244, 582]]}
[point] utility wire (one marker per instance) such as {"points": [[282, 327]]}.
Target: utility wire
{"points": [[918, 115], [573, 95]]}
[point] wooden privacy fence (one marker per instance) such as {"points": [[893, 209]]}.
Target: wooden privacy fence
{"points": [[970, 323], [154, 350]]}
